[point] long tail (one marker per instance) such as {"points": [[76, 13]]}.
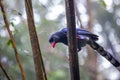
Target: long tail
{"points": [[104, 53]]}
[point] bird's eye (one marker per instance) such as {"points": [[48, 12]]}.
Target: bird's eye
{"points": [[51, 40], [65, 32]]}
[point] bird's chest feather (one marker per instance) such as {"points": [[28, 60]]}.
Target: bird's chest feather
{"points": [[64, 40]]}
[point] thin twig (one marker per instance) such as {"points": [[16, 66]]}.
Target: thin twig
{"points": [[4, 71], [78, 14], [90, 14], [12, 40]]}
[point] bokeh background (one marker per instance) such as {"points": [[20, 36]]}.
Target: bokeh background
{"points": [[101, 17]]}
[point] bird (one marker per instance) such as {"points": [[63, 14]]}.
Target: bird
{"points": [[83, 37]]}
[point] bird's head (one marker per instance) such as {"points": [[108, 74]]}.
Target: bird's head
{"points": [[58, 37], [54, 39]]}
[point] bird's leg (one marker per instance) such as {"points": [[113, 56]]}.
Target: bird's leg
{"points": [[78, 37], [78, 44], [78, 49]]}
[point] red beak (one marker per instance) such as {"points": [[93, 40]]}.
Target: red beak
{"points": [[53, 44]]}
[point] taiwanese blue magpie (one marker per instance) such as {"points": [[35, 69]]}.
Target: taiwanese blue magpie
{"points": [[83, 37]]}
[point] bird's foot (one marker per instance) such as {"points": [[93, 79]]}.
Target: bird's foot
{"points": [[78, 49]]}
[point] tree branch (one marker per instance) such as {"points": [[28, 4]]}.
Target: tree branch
{"points": [[92, 58], [12, 40], [38, 61], [78, 14], [71, 26], [4, 71]]}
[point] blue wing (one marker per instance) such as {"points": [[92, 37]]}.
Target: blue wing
{"points": [[87, 33], [64, 30], [83, 33]]}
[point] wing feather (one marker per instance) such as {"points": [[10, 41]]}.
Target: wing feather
{"points": [[82, 32]]}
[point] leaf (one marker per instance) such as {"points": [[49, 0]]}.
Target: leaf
{"points": [[15, 31], [20, 14], [9, 42], [103, 3], [12, 24]]}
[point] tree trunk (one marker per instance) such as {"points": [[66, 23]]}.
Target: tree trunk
{"points": [[91, 62]]}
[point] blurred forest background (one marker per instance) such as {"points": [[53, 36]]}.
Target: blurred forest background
{"points": [[101, 17]]}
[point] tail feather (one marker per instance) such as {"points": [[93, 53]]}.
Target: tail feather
{"points": [[104, 53], [95, 38]]}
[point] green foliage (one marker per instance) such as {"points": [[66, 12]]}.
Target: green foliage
{"points": [[103, 3], [12, 24], [9, 42], [57, 75]]}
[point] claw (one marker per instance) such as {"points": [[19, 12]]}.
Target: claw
{"points": [[78, 49]]}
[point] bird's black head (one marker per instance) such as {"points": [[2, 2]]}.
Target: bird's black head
{"points": [[57, 37]]}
